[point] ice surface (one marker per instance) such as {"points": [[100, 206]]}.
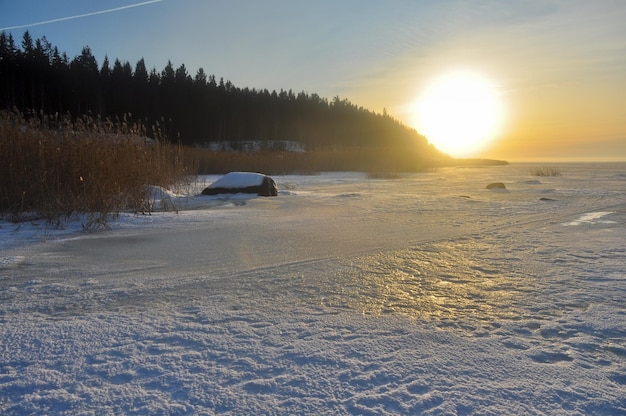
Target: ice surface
{"points": [[589, 217], [426, 294]]}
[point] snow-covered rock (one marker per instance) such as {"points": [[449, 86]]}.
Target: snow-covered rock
{"points": [[159, 198], [496, 185], [243, 182]]}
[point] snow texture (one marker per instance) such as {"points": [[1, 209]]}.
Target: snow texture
{"points": [[426, 294]]}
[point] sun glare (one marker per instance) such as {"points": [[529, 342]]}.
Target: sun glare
{"points": [[460, 113]]}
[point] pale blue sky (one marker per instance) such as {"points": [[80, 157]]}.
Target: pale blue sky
{"points": [[560, 65]]}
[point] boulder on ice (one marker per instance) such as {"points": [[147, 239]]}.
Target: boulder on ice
{"points": [[243, 182], [496, 185]]}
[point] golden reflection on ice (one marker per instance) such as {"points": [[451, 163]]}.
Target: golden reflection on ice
{"points": [[441, 280]]}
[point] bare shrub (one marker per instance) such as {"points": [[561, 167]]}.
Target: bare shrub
{"points": [[546, 171]]}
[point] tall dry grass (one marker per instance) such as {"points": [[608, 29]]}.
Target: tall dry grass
{"points": [[53, 167], [372, 160]]}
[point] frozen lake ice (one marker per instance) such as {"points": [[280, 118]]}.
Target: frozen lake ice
{"points": [[422, 294]]}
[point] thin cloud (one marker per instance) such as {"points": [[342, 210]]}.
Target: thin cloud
{"points": [[79, 16]]}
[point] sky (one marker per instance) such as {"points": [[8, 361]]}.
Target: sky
{"points": [[558, 66]]}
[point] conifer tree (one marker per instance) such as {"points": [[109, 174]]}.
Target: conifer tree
{"points": [[194, 110]]}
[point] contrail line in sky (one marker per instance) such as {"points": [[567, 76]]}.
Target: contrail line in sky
{"points": [[78, 16]]}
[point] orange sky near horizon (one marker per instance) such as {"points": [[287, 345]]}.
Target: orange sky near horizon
{"points": [[578, 121], [561, 78]]}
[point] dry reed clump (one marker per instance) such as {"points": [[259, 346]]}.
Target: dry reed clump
{"points": [[312, 161], [546, 171], [54, 167]]}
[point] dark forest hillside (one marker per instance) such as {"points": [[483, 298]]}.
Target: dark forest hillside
{"points": [[191, 109]]}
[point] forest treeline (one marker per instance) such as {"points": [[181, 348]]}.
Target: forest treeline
{"points": [[190, 109]]}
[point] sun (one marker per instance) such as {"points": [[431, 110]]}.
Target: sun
{"points": [[460, 113]]}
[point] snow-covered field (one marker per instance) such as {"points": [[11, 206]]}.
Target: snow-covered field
{"points": [[424, 294]]}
